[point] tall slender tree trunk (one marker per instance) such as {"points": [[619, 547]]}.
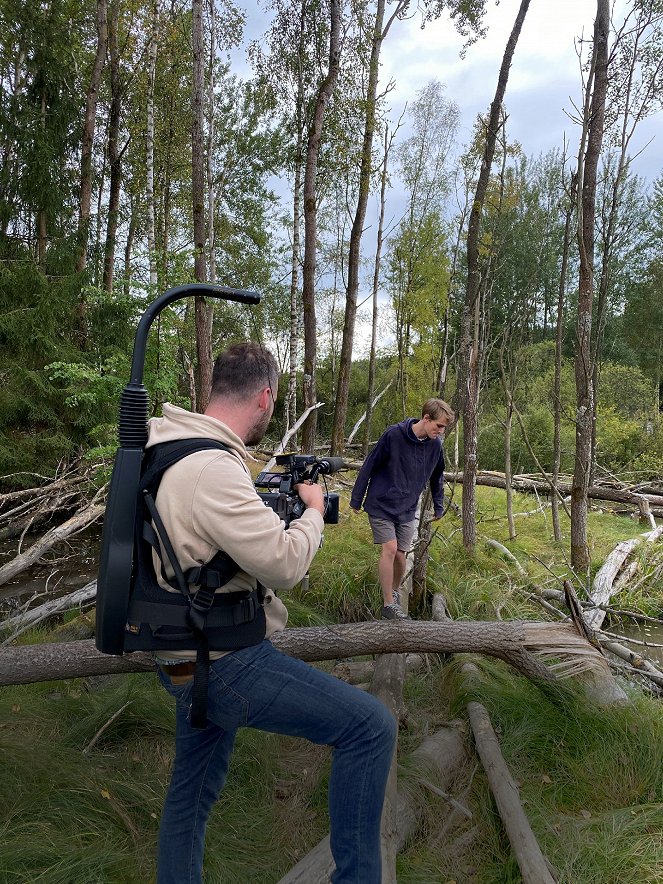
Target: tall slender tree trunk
{"points": [[376, 285], [97, 233], [114, 156], [592, 140], [204, 310], [310, 225], [211, 193], [149, 159], [88, 134], [557, 385], [290, 405], [354, 252], [467, 389], [128, 249], [453, 273], [42, 223], [507, 379]]}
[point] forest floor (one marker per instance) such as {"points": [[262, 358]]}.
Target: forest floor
{"points": [[80, 810]]}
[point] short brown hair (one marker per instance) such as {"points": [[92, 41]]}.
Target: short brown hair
{"points": [[435, 408], [244, 369]]}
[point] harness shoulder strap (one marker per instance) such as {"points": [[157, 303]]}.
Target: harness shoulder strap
{"points": [[217, 572], [159, 457]]}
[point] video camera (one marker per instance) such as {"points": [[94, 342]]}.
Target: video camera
{"points": [[281, 495]]}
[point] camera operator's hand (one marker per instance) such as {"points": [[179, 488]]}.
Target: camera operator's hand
{"points": [[311, 495]]}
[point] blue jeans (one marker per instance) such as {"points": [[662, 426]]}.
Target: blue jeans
{"points": [[262, 688]]}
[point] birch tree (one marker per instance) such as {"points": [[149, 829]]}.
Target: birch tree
{"points": [[325, 92]]}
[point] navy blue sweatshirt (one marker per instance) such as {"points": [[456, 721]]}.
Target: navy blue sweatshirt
{"points": [[396, 472]]}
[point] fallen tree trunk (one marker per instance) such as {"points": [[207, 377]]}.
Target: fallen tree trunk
{"points": [[517, 642], [80, 520], [36, 615], [436, 761], [387, 685], [531, 861], [595, 492], [539, 486], [605, 583]]}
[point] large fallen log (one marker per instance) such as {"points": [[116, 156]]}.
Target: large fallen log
{"points": [[518, 642], [528, 484], [52, 608], [387, 685], [531, 861], [595, 492]]}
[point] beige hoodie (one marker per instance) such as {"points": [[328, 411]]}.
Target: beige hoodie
{"points": [[208, 502]]}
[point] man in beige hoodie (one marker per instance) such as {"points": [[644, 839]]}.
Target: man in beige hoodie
{"points": [[208, 503]]}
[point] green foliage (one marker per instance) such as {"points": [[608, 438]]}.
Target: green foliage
{"points": [[627, 390], [648, 465], [62, 383]]}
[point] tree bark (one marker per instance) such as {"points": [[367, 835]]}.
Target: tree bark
{"points": [[593, 126], [531, 861], [465, 398], [370, 404], [290, 404], [114, 154], [88, 134], [203, 310], [516, 642], [557, 386], [149, 160], [380, 31], [604, 587], [310, 223], [439, 757], [80, 520]]}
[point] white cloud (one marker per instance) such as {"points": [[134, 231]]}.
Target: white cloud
{"points": [[544, 80]]}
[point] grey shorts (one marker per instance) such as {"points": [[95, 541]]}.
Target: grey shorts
{"points": [[385, 530]]}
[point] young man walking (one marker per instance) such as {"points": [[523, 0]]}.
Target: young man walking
{"points": [[407, 456]]}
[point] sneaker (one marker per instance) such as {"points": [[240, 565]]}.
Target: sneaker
{"points": [[394, 612], [397, 596]]}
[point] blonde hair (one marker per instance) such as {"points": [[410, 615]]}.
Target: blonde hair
{"points": [[435, 408]]}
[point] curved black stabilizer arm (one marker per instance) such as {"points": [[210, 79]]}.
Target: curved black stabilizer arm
{"points": [[134, 401]]}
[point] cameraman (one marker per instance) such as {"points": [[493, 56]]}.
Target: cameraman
{"points": [[208, 503]]}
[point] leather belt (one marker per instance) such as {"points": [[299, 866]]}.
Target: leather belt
{"points": [[187, 667]]}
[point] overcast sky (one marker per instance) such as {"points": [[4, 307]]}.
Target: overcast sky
{"points": [[544, 80]]}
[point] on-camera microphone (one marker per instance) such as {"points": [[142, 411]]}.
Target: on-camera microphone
{"points": [[328, 465]]}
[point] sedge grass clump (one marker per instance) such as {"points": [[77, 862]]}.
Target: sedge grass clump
{"points": [[590, 777], [77, 810]]}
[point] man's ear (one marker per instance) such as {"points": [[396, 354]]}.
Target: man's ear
{"points": [[265, 398]]}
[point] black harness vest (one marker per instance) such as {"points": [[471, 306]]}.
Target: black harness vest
{"points": [[195, 617]]}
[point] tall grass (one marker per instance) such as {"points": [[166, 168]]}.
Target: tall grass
{"points": [[80, 810]]}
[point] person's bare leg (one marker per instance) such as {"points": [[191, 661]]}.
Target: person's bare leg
{"points": [[399, 569], [386, 568]]}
